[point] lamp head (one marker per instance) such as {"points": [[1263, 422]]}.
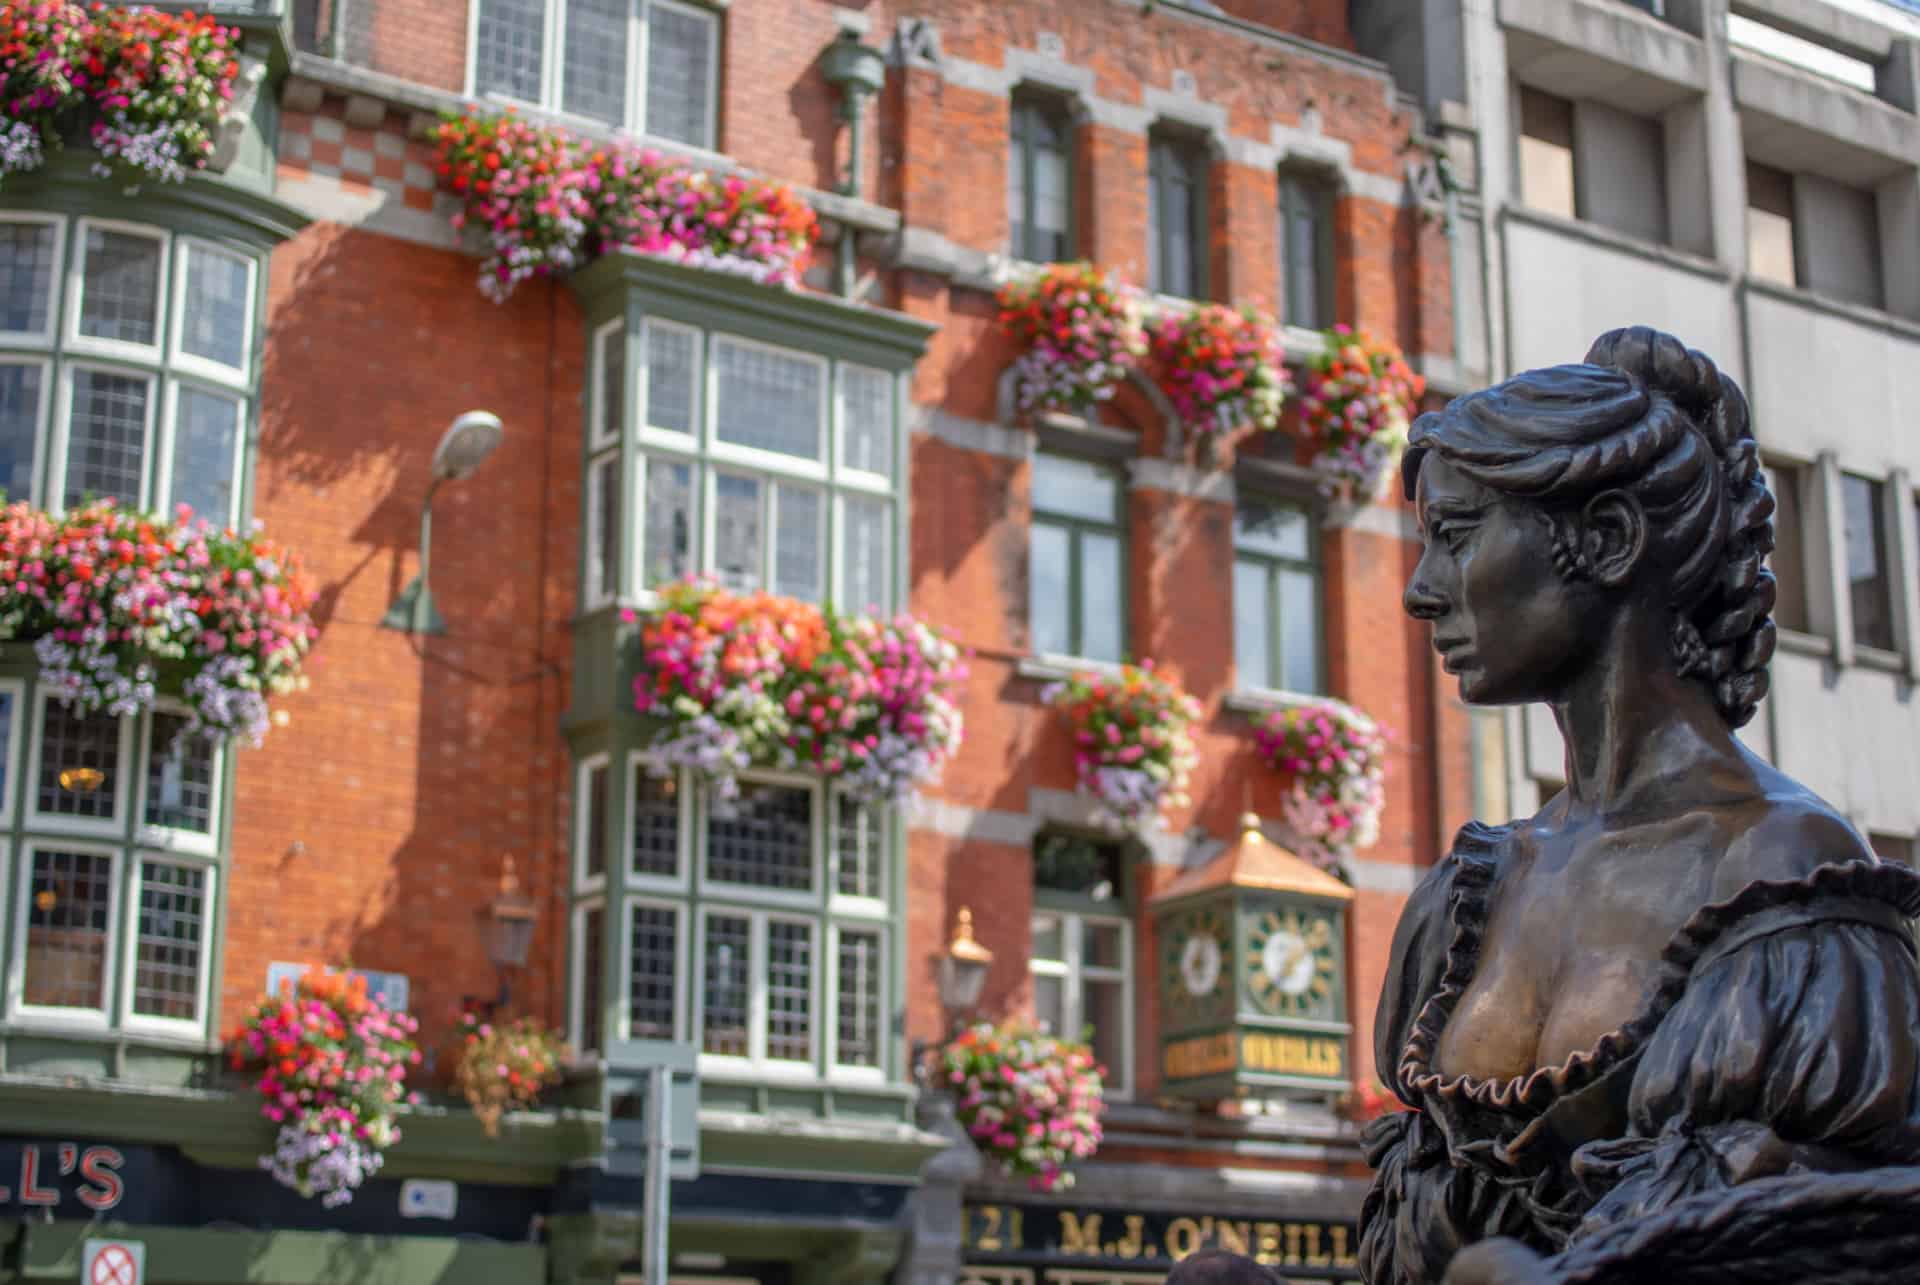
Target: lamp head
{"points": [[468, 441]]}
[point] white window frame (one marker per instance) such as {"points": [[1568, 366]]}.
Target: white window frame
{"points": [[600, 588], [577, 971], [43, 418], [56, 285], [130, 893], [840, 578], [165, 840], [153, 354], [637, 762], [1073, 971], [178, 358], [757, 1063], [847, 474], [88, 1018], [688, 443], [696, 493], [849, 905], [837, 1070], [793, 466], [19, 729], [161, 465], [553, 65], [60, 432], [683, 969], [815, 898], [113, 828], [598, 439], [584, 883]]}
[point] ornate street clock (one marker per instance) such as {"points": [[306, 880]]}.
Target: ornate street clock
{"points": [[1253, 976]]}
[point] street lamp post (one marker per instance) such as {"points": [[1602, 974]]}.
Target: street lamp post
{"points": [[468, 441]]}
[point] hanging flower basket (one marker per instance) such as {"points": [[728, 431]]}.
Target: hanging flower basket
{"points": [[1080, 333], [1133, 744], [123, 608], [758, 680], [333, 1063], [551, 203], [146, 88], [1336, 760], [1357, 399], [1222, 369], [1031, 1103], [504, 1068]]}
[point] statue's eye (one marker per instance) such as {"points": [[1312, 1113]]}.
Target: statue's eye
{"points": [[1453, 534]]}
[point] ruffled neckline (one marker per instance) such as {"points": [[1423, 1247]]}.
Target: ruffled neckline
{"points": [[1476, 866]]}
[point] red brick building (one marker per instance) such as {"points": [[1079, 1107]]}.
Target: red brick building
{"points": [[852, 438]]}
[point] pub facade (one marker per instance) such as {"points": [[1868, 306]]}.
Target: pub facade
{"points": [[463, 806]]}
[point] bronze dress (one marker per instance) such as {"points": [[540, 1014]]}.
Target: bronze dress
{"points": [[1729, 1077]]}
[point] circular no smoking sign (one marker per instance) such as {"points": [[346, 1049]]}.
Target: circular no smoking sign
{"points": [[112, 1263]]}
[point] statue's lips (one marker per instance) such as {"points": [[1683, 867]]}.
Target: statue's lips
{"points": [[1455, 654]]}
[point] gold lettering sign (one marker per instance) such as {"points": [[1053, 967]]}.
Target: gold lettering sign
{"points": [[1199, 1056], [1291, 1054], [1116, 1237]]}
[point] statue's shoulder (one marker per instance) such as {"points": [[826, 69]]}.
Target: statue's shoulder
{"points": [[1791, 833]]}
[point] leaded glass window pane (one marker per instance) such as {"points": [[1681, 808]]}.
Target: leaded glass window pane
{"points": [[179, 777], [613, 384], [672, 377], [79, 763], [767, 399], [667, 540], [206, 439], [603, 541], [725, 985], [593, 825], [593, 83], [652, 965], [173, 916], [766, 841], [789, 991], [858, 1002], [799, 560], [592, 1017], [20, 393], [107, 437], [680, 88], [509, 39], [26, 276], [866, 416], [738, 531], [656, 823], [120, 295], [860, 848], [70, 903], [215, 307], [866, 540]]}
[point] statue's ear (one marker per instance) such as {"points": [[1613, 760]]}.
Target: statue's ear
{"points": [[1613, 535]]}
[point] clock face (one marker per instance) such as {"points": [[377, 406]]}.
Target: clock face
{"points": [[1292, 963], [1195, 954]]}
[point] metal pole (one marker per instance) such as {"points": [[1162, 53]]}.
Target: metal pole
{"points": [[426, 539], [846, 267], [659, 1183]]}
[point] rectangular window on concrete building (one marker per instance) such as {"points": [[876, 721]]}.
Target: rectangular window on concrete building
{"points": [[1178, 262], [1546, 153], [1770, 231], [1082, 948], [1306, 250], [1892, 847], [1869, 580], [651, 66], [1040, 179], [1276, 596], [1840, 240], [1076, 579], [1788, 483], [115, 926]]}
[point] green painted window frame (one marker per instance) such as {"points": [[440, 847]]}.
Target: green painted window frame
{"points": [[1077, 528], [130, 843], [1307, 197], [1175, 160], [1076, 911], [1030, 110], [1271, 565]]}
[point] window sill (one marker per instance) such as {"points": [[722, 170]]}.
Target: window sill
{"points": [[1266, 700], [1803, 644], [1058, 669], [1601, 235], [1879, 658], [96, 1031], [1846, 309]]}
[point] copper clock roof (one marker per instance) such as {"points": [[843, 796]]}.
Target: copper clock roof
{"points": [[1254, 861]]}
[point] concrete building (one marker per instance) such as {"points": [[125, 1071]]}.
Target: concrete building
{"points": [[850, 439], [1746, 176]]}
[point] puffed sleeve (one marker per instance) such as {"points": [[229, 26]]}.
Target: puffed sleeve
{"points": [[1794, 1046]]}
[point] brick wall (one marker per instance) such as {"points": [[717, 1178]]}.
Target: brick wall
{"points": [[373, 825]]}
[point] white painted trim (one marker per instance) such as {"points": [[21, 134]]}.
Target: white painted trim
{"points": [[175, 319], [583, 882], [597, 438], [111, 828], [63, 421], [210, 891], [56, 282], [17, 1006], [147, 354], [600, 576], [165, 839]]}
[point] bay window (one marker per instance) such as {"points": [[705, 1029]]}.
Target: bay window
{"points": [[126, 365], [651, 66], [116, 867]]}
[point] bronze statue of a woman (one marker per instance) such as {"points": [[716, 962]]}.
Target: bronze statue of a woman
{"points": [[1668, 1028]]}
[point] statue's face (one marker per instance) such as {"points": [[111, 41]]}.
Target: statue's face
{"points": [[1506, 623]]}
